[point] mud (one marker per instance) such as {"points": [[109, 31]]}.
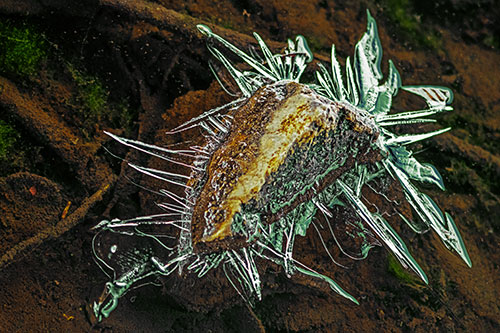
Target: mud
{"points": [[137, 68]]}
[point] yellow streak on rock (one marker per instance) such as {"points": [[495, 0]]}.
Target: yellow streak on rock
{"points": [[290, 125]]}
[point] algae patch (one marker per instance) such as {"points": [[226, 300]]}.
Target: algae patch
{"points": [[8, 137], [395, 268], [409, 25], [22, 48]]}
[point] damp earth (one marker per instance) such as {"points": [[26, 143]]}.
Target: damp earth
{"points": [[70, 70]]}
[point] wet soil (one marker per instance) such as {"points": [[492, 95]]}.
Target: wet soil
{"points": [[137, 68]]}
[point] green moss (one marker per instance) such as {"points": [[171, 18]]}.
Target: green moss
{"points": [[22, 48], [15, 154], [92, 99], [492, 41], [228, 25], [482, 181], [121, 115], [395, 268], [318, 45], [398, 11], [459, 174], [468, 126], [92, 94], [8, 137], [409, 25]]}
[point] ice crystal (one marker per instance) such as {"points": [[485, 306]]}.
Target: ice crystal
{"points": [[298, 190]]}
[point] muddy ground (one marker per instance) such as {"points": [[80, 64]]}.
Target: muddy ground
{"points": [[71, 69]]}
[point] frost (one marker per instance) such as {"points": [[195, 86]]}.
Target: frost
{"points": [[136, 251]]}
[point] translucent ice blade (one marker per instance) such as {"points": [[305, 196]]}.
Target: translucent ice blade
{"points": [[406, 122], [128, 227], [455, 234], [246, 89], [361, 179], [303, 56], [279, 258], [243, 267], [128, 259], [416, 225], [161, 175], [303, 49], [289, 234], [367, 57], [352, 88], [294, 61], [268, 55], [235, 279], [248, 262], [383, 230], [333, 83], [141, 145], [429, 212], [381, 96], [333, 285], [424, 206], [216, 111], [326, 83], [325, 247], [302, 220], [248, 59], [435, 96], [337, 77], [289, 66], [203, 264], [160, 152], [375, 98], [411, 114], [412, 138], [426, 173], [219, 80]]}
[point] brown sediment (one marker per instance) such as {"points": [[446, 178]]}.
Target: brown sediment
{"points": [[54, 231], [42, 121], [52, 287]]}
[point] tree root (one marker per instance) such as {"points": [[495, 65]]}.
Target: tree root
{"points": [[54, 232], [44, 124]]}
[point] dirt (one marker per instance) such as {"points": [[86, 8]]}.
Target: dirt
{"points": [[59, 181]]}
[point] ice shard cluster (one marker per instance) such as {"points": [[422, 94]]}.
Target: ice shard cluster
{"points": [[283, 159]]}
